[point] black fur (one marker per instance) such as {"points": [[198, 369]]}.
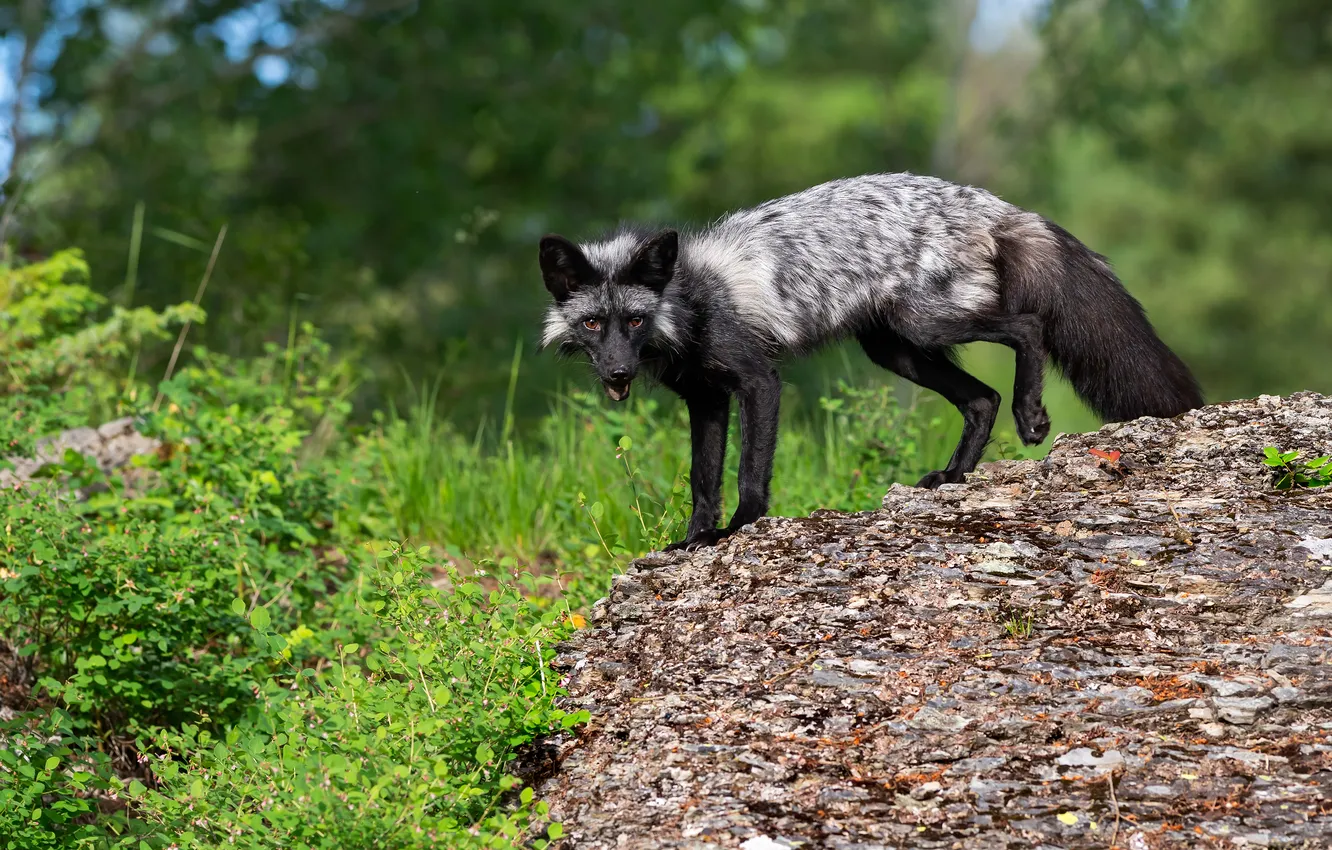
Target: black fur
{"points": [[1096, 332]]}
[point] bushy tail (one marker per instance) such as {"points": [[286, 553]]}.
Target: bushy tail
{"points": [[1097, 333]]}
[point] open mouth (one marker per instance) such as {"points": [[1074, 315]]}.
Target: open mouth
{"points": [[617, 391]]}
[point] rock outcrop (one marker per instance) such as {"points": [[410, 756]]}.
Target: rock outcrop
{"points": [[111, 446], [1086, 651]]}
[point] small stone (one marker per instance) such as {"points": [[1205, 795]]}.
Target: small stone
{"points": [[978, 765], [1084, 757], [1241, 711], [925, 790], [931, 719], [1247, 757], [1224, 687], [1315, 603], [1320, 548]]}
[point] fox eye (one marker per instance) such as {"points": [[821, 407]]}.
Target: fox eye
{"points": [[636, 322], [592, 324]]}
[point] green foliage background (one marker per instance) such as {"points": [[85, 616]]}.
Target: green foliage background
{"points": [[389, 176]]}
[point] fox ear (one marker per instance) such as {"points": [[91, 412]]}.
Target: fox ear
{"points": [[653, 265], [564, 268]]}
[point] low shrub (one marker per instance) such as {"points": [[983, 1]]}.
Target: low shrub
{"points": [[399, 742]]}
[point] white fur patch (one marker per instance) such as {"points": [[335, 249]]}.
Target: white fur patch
{"points": [[748, 276], [612, 255], [811, 266], [666, 327], [555, 329]]}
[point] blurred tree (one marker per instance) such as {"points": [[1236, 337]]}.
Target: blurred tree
{"points": [[386, 166], [1192, 143]]}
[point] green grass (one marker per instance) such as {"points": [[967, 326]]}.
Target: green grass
{"points": [[593, 484]]}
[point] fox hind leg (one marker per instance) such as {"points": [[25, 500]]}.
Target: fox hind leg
{"points": [[934, 370], [1024, 333]]}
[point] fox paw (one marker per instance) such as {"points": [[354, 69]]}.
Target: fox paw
{"points": [[935, 479], [700, 540], [1033, 423]]}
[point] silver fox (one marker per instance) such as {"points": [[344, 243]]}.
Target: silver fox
{"points": [[908, 265]]}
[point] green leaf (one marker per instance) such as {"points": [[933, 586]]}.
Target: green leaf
{"points": [[238, 607], [260, 619], [351, 648], [52, 763], [526, 796], [484, 753], [571, 720], [625, 443], [555, 830], [596, 510]]}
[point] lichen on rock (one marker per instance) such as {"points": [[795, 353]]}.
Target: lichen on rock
{"points": [[1090, 650]]}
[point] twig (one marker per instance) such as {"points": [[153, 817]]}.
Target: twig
{"points": [[793, 668], [132, 264], [541, 666], [1188, 541], [185, 329], [1110, 779], [425, 687]]}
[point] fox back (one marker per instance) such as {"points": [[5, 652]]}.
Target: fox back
{"points": [[816, 265]]}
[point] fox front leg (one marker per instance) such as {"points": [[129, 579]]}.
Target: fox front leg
{"points": [[709, 416], [760, 402]]}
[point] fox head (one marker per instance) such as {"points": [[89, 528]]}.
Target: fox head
{"points": [[611, 302]]}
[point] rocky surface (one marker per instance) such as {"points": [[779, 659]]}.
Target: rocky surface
{"points": [[111, 446], [1077, 652]]}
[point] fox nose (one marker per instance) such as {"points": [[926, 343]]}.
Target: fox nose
{"points": [[619, 373]]}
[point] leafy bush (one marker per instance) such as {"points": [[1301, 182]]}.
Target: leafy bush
{"points": [[125, 602], [128, 624], [1288, 474], [51, 787], [402, 742], [62, 367], [199, 619]]}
